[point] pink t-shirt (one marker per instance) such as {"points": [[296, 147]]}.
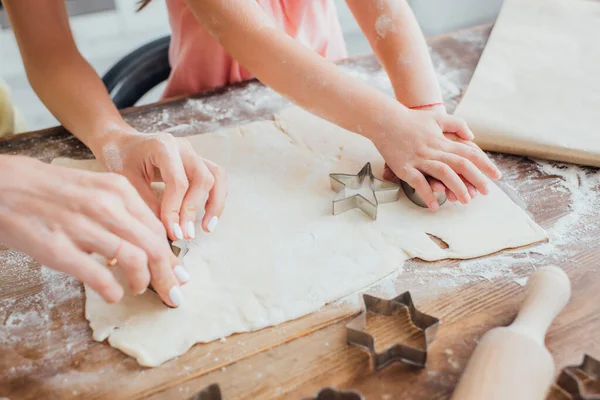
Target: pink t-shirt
{"points": [[199, 62]]}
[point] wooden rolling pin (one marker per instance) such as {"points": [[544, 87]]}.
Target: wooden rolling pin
{"points": [[512, 362]]}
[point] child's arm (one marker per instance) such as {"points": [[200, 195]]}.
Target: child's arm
{"points": [[398, 42], [74, 93], [411, 142]]}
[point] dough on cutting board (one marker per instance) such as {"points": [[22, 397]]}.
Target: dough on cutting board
{"points": [[279, 253], [536, 89]]}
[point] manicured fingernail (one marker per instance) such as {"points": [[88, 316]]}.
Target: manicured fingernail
{"points": [[142, 292], [177, 231], [181, 274], [212, 224], [191, 230], [433, 206], [176, 296]]}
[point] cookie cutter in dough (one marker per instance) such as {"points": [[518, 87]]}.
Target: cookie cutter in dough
{"points": [[412, 195], [180, 250], [382, 192], [356, 334], [334, 394], [571, 381]]}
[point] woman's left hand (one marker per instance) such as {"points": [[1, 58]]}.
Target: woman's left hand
{"points": [[191, 182]]}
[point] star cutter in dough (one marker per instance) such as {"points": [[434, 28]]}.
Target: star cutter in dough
{"points": [[334, 394], [212, 392], [572, 379], [383, 192], [356, 334]]}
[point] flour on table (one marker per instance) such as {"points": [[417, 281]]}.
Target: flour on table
{"points": [[279, 254]]}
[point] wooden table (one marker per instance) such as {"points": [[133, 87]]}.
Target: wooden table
{"points": [[47, 351]]}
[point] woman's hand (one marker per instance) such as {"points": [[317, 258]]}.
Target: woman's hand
{"points": [[60, 216], [437, 145], [192, 184]]}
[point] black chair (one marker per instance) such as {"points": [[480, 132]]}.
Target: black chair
{"points": [[138, 72]]}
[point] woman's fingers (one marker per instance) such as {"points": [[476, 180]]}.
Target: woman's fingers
{"points": [[91, 237], [448, 177], [168, 160], [201, 183], [137, 196], [217, 197]]}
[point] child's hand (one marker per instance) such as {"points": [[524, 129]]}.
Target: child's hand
{"points": [[439, 146], [190, 181], [60, 215]]}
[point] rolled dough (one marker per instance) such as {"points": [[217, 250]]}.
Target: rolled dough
{"points": [[536, 89], [279, 253]]}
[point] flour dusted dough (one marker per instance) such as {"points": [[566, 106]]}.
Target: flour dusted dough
{"points": [[536, 90], [279, 253]]}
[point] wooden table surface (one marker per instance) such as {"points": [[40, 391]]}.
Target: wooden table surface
{"points": [[47, 350]]}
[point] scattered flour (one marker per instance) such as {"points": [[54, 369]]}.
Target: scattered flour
{"points": [[579, 184], [384, 25]]}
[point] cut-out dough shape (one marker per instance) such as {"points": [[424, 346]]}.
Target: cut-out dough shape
{"points": [[279, 254]]}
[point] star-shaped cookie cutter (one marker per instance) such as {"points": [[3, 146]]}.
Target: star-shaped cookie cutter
{"points": [[382, 192], [571, 382], [356, 334]]}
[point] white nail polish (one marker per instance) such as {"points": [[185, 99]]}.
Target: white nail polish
{"points": [[191, 230], [177, 231], [181, 274], [142, 292], [176, 296], [212, 224]]}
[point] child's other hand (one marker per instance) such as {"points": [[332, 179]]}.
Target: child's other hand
{"points": [[433, 151], [191, 182]]}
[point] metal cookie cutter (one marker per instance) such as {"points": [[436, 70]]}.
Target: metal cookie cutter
{"points": [[180, 252], [357, 336], [570, 380], [412, 195], [334, 394], [380, 192], [212, 392]]}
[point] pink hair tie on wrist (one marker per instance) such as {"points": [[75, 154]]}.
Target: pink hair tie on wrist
{"points": [[439, 103]]}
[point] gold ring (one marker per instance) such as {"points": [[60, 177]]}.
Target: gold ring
{"points": [[111, 262]]}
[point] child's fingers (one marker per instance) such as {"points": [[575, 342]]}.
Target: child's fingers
{"points": [[450, 196], [436, 186], [448, 177], [418, 182], [466, 169], [476, 156], [450, 123]]}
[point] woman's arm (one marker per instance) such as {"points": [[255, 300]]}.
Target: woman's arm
{"points": [[398, 42], [73, 92], [67, 85]]}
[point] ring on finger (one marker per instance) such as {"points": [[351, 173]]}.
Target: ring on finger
{"points": [[111, 262]]}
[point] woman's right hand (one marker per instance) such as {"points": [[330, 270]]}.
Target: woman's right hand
{"points": [[60, 216]]}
